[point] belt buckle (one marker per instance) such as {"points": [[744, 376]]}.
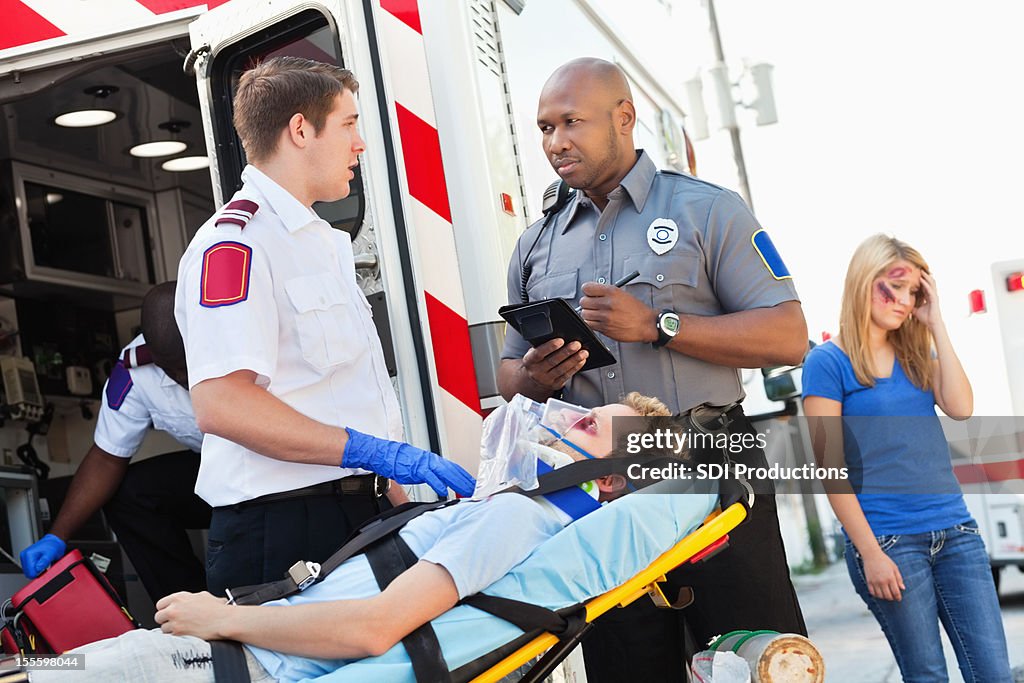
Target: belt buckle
{"points": [[304, 573], [381, 485]]}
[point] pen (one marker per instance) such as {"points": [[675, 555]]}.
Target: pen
{"points": [[621, 282]]}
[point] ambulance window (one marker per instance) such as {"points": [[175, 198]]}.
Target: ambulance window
{"points": [[308, 34], [70, 230]]}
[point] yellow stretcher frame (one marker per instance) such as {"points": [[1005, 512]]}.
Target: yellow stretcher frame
{"points": [[715, 527]]}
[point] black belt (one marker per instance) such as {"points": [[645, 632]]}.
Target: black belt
{"points": [[354, 485], [714, 418]]}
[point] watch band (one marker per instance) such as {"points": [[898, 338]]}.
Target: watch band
{"points": [[667, 325]]}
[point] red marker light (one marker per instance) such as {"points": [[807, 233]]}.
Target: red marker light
{"points": [[1015, 282], [976, 300], [506, 204]]}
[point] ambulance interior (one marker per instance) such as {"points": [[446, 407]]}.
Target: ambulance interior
{"points": [[104, 224]]}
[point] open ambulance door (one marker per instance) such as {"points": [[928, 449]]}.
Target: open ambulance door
{"points": [[230, 39]]}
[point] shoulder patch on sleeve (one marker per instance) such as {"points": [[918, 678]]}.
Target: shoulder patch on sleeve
{"points": [[238, 212], [118, 385], [225, 276], [769, 255]]}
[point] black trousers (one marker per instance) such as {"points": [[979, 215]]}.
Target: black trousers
{"points": [[151, 513], [257, 542], [746, 586]]}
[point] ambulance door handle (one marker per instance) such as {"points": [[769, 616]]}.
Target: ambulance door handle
{"points": [[365, 261], [193, 58]]}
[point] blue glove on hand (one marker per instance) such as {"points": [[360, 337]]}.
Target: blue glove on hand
{"points": [[41, 554], [405, 464]]}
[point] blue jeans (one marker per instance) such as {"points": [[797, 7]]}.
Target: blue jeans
{"points": [[948, 579]]}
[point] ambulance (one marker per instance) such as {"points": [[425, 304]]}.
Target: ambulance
{"points": [[116, 145], [988, 452]]}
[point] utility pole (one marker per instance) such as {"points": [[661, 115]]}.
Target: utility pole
{"points": [[733, 126]]}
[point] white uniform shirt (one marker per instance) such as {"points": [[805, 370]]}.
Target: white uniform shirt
{"points": [[140, 398], [273, 291]]}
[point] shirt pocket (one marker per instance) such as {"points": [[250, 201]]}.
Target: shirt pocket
{"points": [[665, 281], [556, 286], [325, 320]]}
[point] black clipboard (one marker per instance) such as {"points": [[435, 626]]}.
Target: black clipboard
{"points": [[542, 321]]}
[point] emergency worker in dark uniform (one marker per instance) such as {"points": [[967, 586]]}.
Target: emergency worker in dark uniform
{"points": [[285, 366], [150, 504], [712, 296]]}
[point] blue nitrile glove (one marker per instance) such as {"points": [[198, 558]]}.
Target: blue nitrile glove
{"points": [[41, 554], [405, 464]]}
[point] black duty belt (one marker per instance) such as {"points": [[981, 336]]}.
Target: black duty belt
{"points": [[354, 485], [708, 418]]}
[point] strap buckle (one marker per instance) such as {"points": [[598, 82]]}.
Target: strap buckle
{"points": [[304, 574], [381, 486]]}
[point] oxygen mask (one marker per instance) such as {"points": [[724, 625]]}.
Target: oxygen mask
{"points": [[516, 435]]}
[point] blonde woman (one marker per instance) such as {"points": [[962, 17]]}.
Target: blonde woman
{"points": [[913, 551]]}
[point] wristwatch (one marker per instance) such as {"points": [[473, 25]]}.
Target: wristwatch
{"points": [[667, 326]]}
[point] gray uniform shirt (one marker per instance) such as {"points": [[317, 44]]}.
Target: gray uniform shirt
{"points": [[720, 262]]}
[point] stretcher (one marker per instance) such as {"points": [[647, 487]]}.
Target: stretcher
{"points": [[711, 537], [617, 554]]}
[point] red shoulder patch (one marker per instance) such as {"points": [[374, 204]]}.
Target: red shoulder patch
{"points": [[225, 278], [238, 212]]}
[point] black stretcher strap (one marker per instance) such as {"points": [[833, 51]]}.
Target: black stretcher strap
{"points": [[373, 530], [388, 558], [567, 624], [229, 665], [582, 471], [523, 615]]}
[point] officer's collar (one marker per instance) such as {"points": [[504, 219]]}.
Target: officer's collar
{"points": [[290, 210], [636, 184]]}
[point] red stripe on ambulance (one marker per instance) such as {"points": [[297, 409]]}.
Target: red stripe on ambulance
{"points": [[23, 25], [406, 11], [422, 152], [451, 349], [165, 6], [989, 472]]}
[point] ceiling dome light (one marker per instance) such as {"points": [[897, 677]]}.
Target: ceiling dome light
{"points": [[186, 164], [159, 148], [85, 118]]}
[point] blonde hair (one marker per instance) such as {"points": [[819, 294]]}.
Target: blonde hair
{"points": [[646, 406], [912, 340], [271, 93]]}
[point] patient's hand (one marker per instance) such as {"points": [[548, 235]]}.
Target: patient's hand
{"points": [[192, 614]]}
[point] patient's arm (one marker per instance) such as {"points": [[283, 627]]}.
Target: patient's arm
{"points": [[347, 629]]}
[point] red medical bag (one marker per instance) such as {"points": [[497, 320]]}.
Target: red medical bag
{"points": [[68, 605]]}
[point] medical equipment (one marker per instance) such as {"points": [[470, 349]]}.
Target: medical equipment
{"points": [[69, 605], [515, 435]]}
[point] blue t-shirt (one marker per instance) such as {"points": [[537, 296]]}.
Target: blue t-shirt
{"points": [[897, 455]]}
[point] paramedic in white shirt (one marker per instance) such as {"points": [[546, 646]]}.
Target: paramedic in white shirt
{"points": [[151, 504], [285, 367]]}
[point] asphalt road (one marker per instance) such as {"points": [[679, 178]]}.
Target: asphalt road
{"points": [[852, 644]]}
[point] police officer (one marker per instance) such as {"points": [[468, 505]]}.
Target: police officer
{"points": [[287, 373], [150, 505], [712, 296]]}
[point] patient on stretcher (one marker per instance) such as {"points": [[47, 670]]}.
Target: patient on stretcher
{"points": [[462, 549]]}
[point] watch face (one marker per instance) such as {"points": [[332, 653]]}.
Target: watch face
{"points": [[670, 323]]}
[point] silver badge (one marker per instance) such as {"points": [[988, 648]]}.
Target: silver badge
{"points": [[662, 235]]}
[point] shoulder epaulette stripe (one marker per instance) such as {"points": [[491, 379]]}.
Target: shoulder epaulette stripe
{"points": [[238, 212], [137, 356]]}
